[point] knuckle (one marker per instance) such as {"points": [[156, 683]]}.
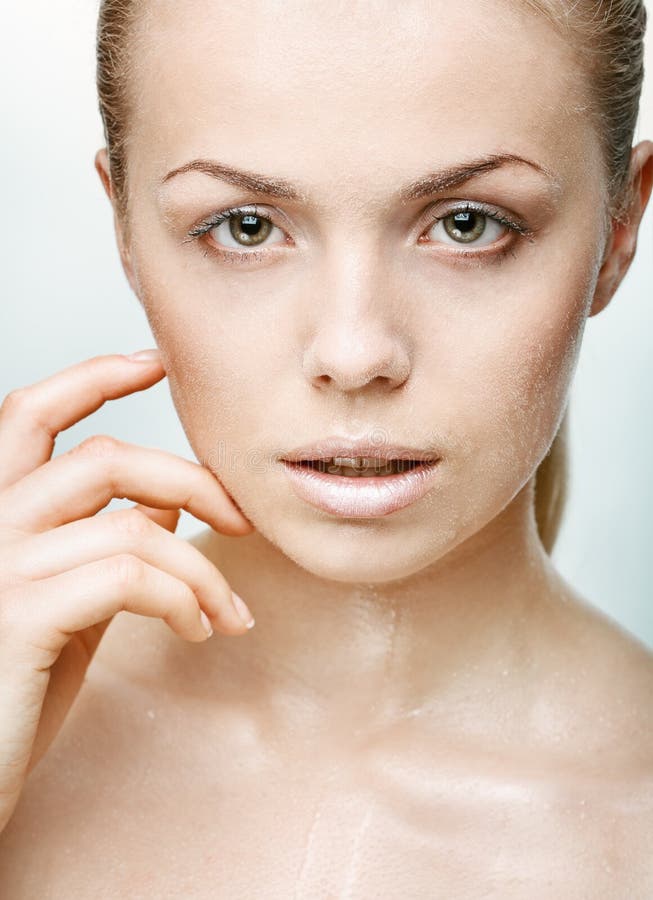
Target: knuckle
{"points": [[16, 402], [127, 570], [98, 445], [133, 522], [26, 404]]}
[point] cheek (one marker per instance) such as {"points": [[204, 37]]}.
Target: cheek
{"points": [[225, 352], [214, 368], [517, 379]]}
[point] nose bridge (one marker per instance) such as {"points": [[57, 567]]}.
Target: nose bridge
{"points": [[351, 270], [355, 335]]}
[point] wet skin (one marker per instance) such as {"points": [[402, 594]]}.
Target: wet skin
{"points": [[425, 707]]}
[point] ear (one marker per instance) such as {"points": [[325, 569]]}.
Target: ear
{"points": [[621, 242], [103, 170]]}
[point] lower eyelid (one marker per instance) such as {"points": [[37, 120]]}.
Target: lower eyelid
{"points": [[489, 254], [235, 256], [480, 258]]}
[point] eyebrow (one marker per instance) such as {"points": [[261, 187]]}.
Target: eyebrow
{"points": [[432, 183]]}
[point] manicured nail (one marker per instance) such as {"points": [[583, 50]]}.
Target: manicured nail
{"points": [[205, 622], [243, 611], [145, 355]]}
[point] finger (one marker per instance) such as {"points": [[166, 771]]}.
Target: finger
{"points": [[40, 617], [166, 518], [124, 531], [31, 417], [83, 480]]}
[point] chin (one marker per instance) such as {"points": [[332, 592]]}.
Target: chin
{"points": [[355, 550]]}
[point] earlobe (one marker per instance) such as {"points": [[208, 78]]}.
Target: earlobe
{"points": [[607, 281], [127, 268], [621, 242], [125, 259]]}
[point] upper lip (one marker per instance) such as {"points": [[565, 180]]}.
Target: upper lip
{"points": [[329, 447]]}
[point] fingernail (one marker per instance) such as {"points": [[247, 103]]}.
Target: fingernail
{"points": [[242, 609], [145, 355], [205, 622]]}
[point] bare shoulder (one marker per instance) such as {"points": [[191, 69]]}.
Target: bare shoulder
{"points": [[594, 723], [619, 662], [600, 687]]}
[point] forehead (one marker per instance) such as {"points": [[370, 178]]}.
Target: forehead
{"points": [[345, 90]]}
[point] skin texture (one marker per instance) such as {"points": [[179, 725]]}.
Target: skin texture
{"points": [[425, 707]]}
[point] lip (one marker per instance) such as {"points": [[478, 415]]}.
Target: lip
{"points": [[357, 496], [328, 447]]}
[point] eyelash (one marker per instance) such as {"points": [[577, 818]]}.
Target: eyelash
{"points": [[519, 227]]}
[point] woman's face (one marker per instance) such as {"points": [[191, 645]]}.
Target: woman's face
{"points": [[353, 307]]}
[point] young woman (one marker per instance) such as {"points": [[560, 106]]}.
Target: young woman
{"points": [[367, 238]]}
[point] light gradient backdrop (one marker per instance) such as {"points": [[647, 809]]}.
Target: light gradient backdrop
{"points": [[65, 298]]}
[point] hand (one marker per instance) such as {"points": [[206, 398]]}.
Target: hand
{"points": [[65, 572]]}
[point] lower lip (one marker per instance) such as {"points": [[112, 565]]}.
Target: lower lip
{"points": [[358, 497]]}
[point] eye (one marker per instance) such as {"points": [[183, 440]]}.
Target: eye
{"points": [[239, 227], [474, 226], [469, 227], [245, 229]]}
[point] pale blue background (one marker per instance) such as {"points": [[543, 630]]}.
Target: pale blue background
{"points": [[65, 298]]}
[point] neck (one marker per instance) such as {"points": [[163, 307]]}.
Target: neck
{"points": [[463, 629]]}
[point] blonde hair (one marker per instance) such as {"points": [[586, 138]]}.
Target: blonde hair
{"points": [[608, 36]]}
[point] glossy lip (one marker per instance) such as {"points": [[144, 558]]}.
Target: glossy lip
{"points": [[336, 445], [357, 496]]}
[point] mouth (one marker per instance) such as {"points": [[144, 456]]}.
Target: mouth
{"points": [[360, 466], [355, 487]]}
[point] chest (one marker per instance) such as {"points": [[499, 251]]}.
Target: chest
{"points": [[136, 800], [170, 834]]}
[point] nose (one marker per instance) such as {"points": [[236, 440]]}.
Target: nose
{"points": [[357, 335]]}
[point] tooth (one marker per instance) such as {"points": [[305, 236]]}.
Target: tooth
{"points": [[353, 462], [361, 462], [361, 466]]}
